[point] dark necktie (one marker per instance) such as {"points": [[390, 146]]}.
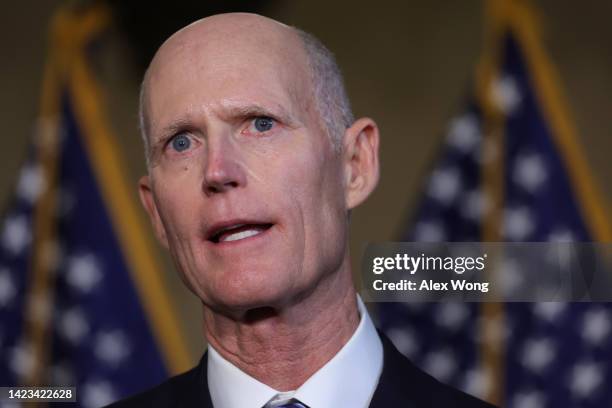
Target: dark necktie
{"points": [[292, 404]]}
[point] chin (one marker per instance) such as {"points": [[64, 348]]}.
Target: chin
{"points": [[249, 290]]}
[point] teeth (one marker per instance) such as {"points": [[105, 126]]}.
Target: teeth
{"points": [[240, 235]]}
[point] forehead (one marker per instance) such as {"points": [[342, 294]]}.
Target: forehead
{"points": [[209, 67]]}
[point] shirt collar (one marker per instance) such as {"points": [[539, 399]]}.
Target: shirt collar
{"points": [[351, 376], [231, 387], [348, 379]]}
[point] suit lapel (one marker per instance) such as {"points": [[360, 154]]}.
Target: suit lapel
{"points": [[402, 384], [196, 393], [394, 383]]}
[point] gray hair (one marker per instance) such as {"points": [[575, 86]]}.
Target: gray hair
{"points": [[143, 122], [331, 100]]}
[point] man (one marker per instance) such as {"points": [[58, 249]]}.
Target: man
{"points": [[254, 165]]}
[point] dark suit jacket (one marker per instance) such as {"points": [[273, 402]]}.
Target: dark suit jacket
{"points": [[401, 384]]}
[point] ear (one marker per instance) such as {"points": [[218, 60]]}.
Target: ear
{"points": [[360, 156], [148, 202]]}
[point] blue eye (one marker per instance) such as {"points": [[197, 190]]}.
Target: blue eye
{"points": [[181, 143], [263, 123]]}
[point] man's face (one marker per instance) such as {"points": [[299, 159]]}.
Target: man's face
{"points": [[244, 186]]}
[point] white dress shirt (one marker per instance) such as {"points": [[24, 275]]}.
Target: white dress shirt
{"points": [[349, 379]]}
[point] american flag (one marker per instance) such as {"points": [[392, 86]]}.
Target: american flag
{"points": [[71, 311], [551, 354]]}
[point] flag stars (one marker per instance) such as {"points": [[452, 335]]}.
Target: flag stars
{"points": [[476, 383], [9, 404], [440, 364], [429, 232], [538, 354], [518, 224], [563, 253], [531, 399], [83, 272], [561, 234], [585, 379], [16, 235], [464, 133], [7, 288], [530, 172], [474, 205], [31, 183], [22, 360], [506, 94], [549, 311], [97, 394], [596, 326], [404, 340], [445, 185], [510, 277], [112, 347], [73, 325], [452, 315]]}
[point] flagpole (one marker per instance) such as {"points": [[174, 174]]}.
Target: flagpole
{"points": [[106, 160], [39, 303], [492, 173], [67, 70]]}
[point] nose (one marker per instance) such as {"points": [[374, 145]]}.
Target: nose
{"points": [[223, 170]]}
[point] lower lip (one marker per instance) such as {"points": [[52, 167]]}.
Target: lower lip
{"points": [[239, 242]]}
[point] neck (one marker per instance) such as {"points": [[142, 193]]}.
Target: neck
{"points": [[283, 347]]}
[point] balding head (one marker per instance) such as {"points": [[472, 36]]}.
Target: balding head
{"points": [[309, 69]]}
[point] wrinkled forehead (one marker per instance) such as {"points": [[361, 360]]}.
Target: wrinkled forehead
{"points": [[219, 60]]}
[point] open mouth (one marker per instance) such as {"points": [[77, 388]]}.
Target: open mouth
{"points": [[237, 232]]}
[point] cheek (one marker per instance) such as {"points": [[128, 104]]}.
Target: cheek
{"points": [[315, 186], [179, 217], [178, 196]]}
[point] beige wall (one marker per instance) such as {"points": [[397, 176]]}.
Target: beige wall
{"points": [[406, 66]]}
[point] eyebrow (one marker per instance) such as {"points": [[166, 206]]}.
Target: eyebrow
{"points": [[231, 114], [244, 111], [176, 126]]}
